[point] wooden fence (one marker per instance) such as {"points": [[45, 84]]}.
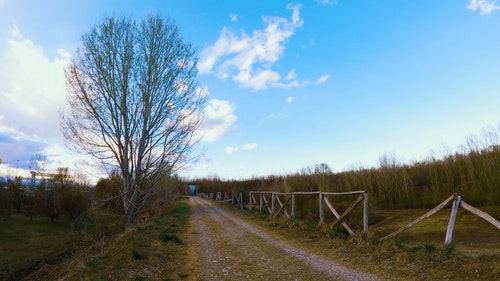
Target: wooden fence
{"points": [[276, 204], [268, 200], [234, 198], [457, 202]]}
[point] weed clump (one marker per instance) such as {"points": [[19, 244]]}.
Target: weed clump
{"points": [[93, 262], [136, 255], [165, 237]]}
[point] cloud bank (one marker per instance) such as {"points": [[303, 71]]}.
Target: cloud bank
{"points": [[248, 58], [32, 90], [485, 7], [218, 118]]}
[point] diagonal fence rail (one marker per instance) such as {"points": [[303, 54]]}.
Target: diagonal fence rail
{"points": [[456, 203], [276, 203]]}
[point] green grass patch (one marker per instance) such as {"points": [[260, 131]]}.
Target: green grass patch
{"points": [[166, 237], [26, 244], [92, 261], [136, 255]]}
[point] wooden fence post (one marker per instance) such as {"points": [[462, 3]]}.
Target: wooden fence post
{"points": [[294, 208], [451, 222], [250, 195], [261, 202], [273, 203], [365, 212], [321, 208]]}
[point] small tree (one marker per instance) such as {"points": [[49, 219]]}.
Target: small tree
{"points": [[46, 202], [73, 202], [107, 193], [134, 102]]}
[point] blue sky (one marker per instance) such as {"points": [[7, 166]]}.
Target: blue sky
{"points": [[291, 84]]}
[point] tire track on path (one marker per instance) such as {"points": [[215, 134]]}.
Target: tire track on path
{"points": [[223, 247]]}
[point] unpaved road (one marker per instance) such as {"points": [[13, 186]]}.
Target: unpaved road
{"points": [[223, 247]]}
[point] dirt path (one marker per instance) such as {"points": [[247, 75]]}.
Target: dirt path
{"points": [[223, 247]]}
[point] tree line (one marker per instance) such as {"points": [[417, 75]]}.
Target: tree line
{"points": [[52, 196], [61, 194]]}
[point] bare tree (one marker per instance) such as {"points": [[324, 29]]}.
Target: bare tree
{"points": [[134, 102]]}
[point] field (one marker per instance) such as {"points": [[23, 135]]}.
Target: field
{"points": [[159, 247], [416, 254], [26, 245]]}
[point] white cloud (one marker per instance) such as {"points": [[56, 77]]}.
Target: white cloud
{"points": [[202, 91], [32, 87], [233, 149], [218, 118], [290, 99], [259, 81], [250, 146], [323, 79], [248, 59], [484, 6], [233, 17], [293, 84], [328, 2], [291, 75], [32, 91]]}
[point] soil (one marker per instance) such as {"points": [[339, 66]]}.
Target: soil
{"points": [[223, 247]]}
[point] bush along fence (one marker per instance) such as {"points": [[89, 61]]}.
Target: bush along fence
{"points": [[268, 200], [456, 203]]}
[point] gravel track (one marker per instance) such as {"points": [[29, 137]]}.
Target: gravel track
{"points": [[223, 247]]}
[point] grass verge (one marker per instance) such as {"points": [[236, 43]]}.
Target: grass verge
{"points": [[150, 251], [26, 245], [417, 255]]}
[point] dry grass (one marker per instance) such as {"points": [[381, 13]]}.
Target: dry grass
{"points": [[472, 236], [417, 254], [163, 249]]}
